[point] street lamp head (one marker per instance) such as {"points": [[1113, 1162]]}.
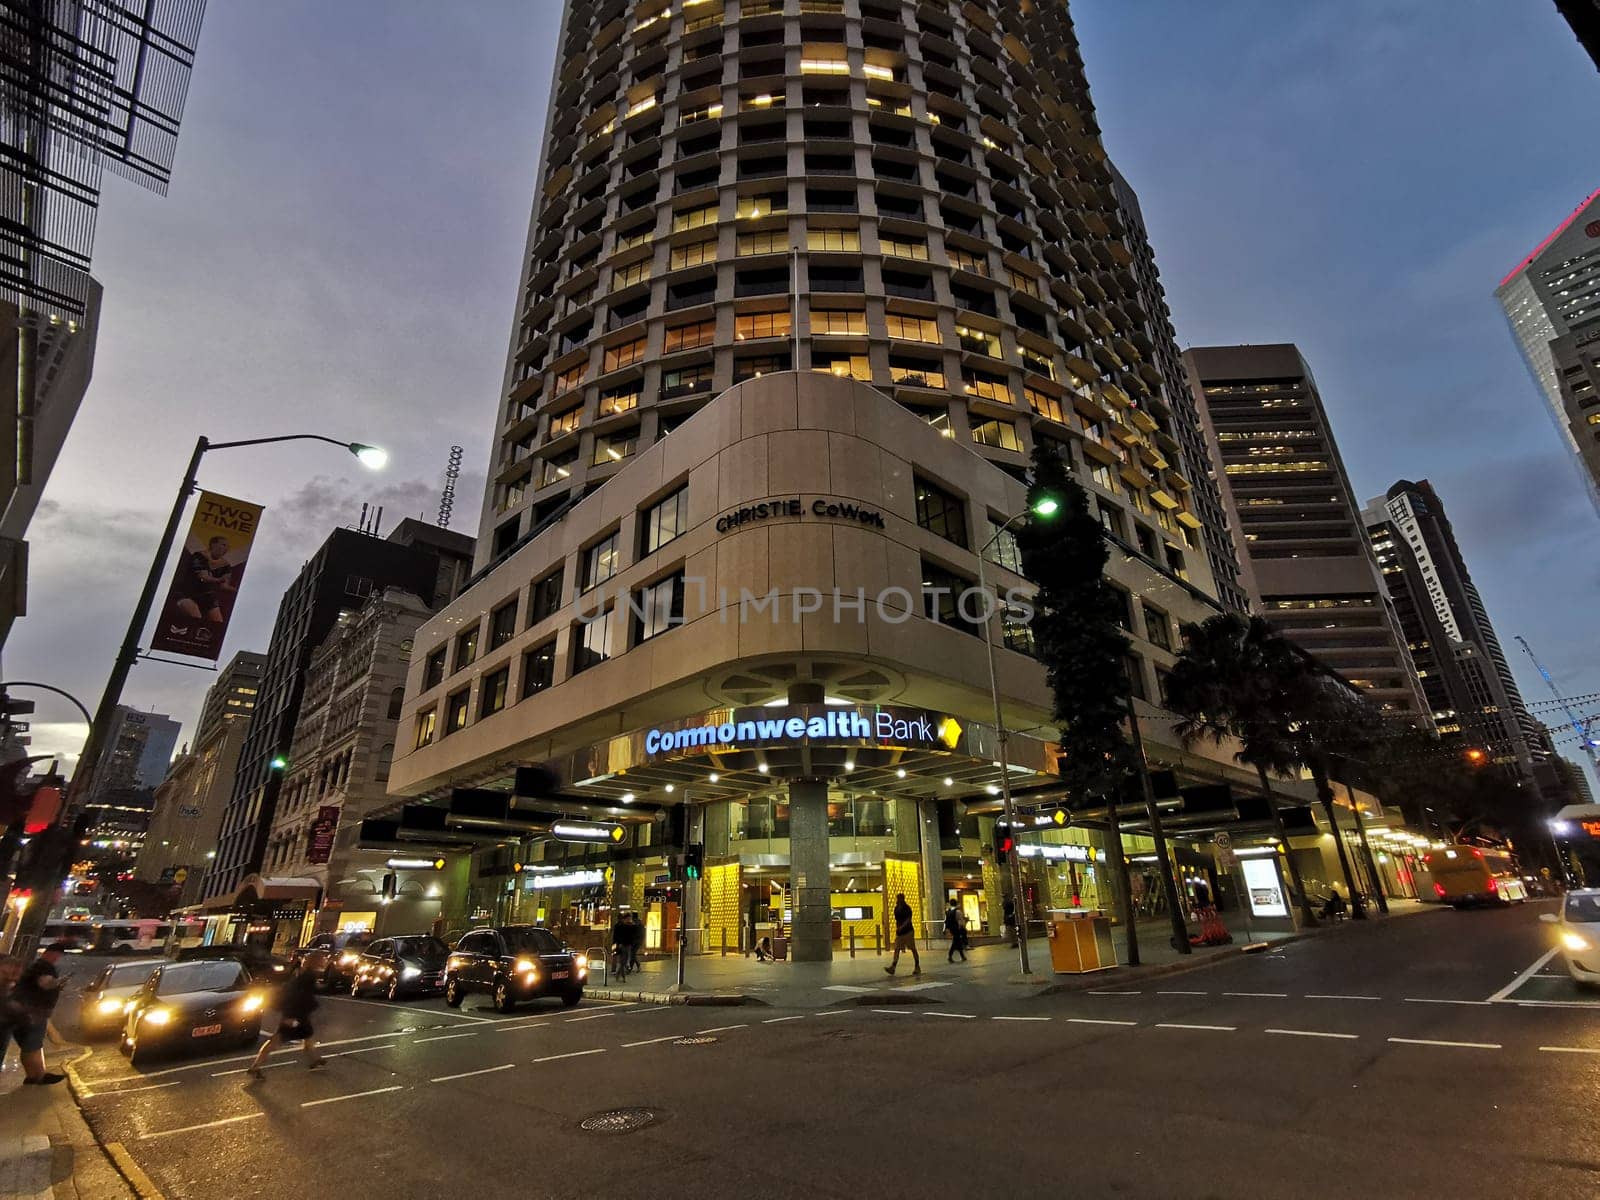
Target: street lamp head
{"points": [[1046, 506], [374, 458]]}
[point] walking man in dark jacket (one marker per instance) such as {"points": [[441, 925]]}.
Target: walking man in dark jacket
{"points": [[905, 935], [955, 924], [295, 1006]]}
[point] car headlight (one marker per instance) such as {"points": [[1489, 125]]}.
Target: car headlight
{"points": [[410, 972], [157, 1016], [1574, 941], [108, 1006], [252, 1003], [581, 961], [347, 958], [527, 966]]}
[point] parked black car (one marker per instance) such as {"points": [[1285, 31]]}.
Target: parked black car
{"points": [[332, 957], [105, 1000], [514, 963], [200, 1004], [400, 965], [267, 967]]}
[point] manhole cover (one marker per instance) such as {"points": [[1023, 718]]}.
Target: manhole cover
{"points": [[618, 1120], [694, 1041]]}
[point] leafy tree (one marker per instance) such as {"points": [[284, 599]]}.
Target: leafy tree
{"points": [[1228, 684], [1079, 638]]}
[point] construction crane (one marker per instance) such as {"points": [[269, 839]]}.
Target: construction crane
{"points": [[1572, 717]]}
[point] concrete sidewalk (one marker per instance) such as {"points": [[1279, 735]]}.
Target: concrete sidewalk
{"points": [[46, 1147], [992, 972]]}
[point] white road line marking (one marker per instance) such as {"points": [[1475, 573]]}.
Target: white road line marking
{"points": [[1334, 996], [469, 1074], [399, 1087], [520, 1028], [960, 1016], [832, 1012], [1430, 1000], [1434, 1042], [569, 1054], [444, 1037], [1181, 993], [145, 1137], [719, 1029], [217, 1062], [895, 1012], [1553, 1003], [428, 1012], [671, 1037], [1112, 992], [1216, 1028], [363, 1050], [589, 1017], [1525, 976], [775, 1020], [1261, 995], [1019, 1018], [129, 1091], [1095, 1021], [1571, 1049], [1317, 1033]]}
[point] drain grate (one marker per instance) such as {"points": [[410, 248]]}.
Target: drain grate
{"points": [[618, 1120], [701, 1040]]}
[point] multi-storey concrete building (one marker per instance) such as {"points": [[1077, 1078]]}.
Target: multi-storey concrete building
{"points": [[233, 695], [1463, 670], [1552, 300], [804, 285], [339, 577], [338, 775], [1309, 567]]}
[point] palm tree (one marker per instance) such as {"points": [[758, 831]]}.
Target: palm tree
{"points": [[1229, 682]]}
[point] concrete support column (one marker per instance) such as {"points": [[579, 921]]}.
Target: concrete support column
{"points": [[932, 864], [809, 882]]}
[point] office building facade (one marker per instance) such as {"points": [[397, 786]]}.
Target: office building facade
{"points": [[1552, 301], [233, 695], [139, 749], [1309, 565], [803, 288], [340, 577], [1473, 698]]}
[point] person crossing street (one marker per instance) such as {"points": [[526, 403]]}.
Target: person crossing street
{"points": [[905, 935], [955, 924]]}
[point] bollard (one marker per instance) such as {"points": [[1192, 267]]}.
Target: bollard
{"points": [[877, 937], [852, 941], [723, 953]]}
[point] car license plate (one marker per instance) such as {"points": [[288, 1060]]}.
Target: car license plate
{"points": [[559, 974], [206, 1030]]}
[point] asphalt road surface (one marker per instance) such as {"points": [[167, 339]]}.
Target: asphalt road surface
{"points": [[1423, 1056]]}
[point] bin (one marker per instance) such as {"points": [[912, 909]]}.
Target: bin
{"points": [[1080, 943]]}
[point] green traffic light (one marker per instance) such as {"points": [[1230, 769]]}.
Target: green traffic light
{"points": [[278, 762]]}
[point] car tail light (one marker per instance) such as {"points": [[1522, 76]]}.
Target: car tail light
{"points": [[1438, 890], [1494, 886]]}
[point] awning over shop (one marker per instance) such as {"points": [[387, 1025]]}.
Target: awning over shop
{"points": [[260, 887]]}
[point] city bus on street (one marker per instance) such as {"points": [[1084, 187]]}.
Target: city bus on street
{"points": [[1467, 875]]}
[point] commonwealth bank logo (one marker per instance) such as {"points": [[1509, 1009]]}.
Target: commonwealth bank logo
{"points": [[949, 732]]}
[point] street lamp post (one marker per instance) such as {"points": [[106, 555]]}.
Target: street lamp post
{"points": [[1044, 508], [369, 456]]}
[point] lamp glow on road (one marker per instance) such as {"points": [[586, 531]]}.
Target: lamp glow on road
{"points": [[374, 458], [1046, 507]]}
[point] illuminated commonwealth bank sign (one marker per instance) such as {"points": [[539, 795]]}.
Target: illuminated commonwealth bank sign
{"points": [[729, 729]]}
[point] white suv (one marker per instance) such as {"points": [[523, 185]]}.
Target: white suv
{"points": [[1578, 933]]}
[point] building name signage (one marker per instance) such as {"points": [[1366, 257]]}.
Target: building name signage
{"points": [[753, 728], [829, 508], [536, 883], [1066, 853]]}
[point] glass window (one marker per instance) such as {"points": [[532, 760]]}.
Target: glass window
{"points": [[619, 400], [564, 423], [694, 218], [838, 321], [625, 355], [912, 329], [503, 624], [694, 254], [940, 512], [455, 711], [986, 387], [600, 562], [658, 608], [832, 239], [571, 378], [1000, 434], [689, 337], [1101, 474], [900, 247], [492, 696], [633, 273], [964, 260], [1017, 632], [664, 521], [614, 447], [593, 643], [761, 325], [1003, 550], [538, 668], [545, 597], [1158, 630], [556, 468], [1045, 406], [466, 647], [765, 242], [1135, 671], [846, 366], [686, 381], [942, 599], [427, 722], [914, 373], [433, 669]]}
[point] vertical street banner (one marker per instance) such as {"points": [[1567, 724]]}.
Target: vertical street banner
{"points": [[205, 583], [319, 838]]}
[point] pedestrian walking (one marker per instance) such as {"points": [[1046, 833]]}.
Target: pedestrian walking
{"points": [[905, 935], [620, 934], [30, 1003], [10, 1012], [1008, 914], [955, 924], [635, 940], [296, 1002]]}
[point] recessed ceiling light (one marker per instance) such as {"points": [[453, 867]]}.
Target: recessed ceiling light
{"points": [[713, 777], [627, 797], [992, 790], [849, 764], [900, 773], [670, 788], [948, 782], [762, 768]]}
